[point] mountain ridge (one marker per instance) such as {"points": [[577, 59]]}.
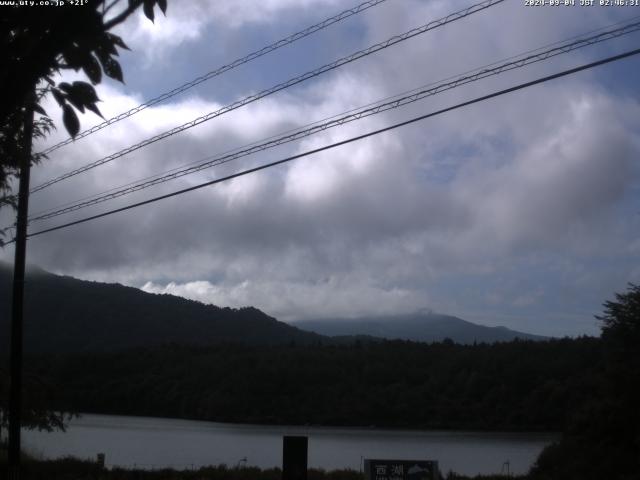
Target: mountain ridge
{"points": [[418, 327], [65, 314]]}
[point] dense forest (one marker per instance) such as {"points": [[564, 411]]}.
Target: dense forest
{"points": [[588, 388], [520, 385]]}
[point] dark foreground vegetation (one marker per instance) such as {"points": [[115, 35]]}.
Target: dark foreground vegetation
{"points": [[589, 388], [72, 469], [509, 386]]}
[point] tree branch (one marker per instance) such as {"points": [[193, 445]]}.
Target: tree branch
{"points": [[106, 7], [118, 19]]}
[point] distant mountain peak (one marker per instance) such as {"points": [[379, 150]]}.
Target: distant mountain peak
{"points": [[422, 326], [424, 311]]}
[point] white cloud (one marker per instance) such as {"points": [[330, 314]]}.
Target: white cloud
{"points": [[237, 14], [559, 187], [466, 212], [293, 301], [187, 20]]}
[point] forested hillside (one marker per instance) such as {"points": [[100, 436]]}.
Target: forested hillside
{"points": [[510, 386], [63, 314]]}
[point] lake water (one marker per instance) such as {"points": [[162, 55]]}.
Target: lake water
{"points": [[144, 442]]}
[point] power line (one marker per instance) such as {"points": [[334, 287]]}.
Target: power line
{"points": [[358, 114], [344, 142], [223, 69], [281, 86], [539, 49], [397, 102]]}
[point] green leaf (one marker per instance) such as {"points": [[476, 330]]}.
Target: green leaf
{"points": [[105, 61], [38, 109], [85, 92], [74, 101], [73, 56], [57, 94], [81, 95], [148, 9], [91, 68], [70, 119], [107, 46], [112, 69], [65, 87], [94, 108], [103, 55], [163, 6], [116, 40]]}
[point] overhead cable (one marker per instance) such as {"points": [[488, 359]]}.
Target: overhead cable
{"points": [[357, 114], [220, 70], [343, 142], [281, 86]]}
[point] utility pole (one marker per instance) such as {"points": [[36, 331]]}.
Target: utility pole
{"points": [[15, 391]]}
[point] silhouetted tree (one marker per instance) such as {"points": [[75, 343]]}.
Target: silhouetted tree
{"points": [[35, 46], [603, 438], [621, 339], [37, 412]]}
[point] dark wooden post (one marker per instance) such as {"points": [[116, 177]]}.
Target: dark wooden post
{"points": [[15, 368], [294, 458]]}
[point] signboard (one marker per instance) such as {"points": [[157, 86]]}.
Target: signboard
{"points": [[401, 469]]}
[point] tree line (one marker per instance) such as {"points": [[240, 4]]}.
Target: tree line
{"points": [[587, 388], [520, 385]]}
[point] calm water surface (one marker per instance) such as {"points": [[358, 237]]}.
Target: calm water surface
{"points": [[159, 442]]}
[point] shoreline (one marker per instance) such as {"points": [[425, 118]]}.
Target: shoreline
{"points": [[128, 441], [357, 427]]}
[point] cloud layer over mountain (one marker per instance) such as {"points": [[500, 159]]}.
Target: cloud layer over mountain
{"points": [[519, 211]]}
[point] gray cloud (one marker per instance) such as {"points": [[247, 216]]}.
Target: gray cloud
{"points": [[514, 211]]}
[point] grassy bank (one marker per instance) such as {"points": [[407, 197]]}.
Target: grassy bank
{"points": [[73, 469]]}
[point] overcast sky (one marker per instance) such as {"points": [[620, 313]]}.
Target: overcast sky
{"points": [[520, 211]]}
